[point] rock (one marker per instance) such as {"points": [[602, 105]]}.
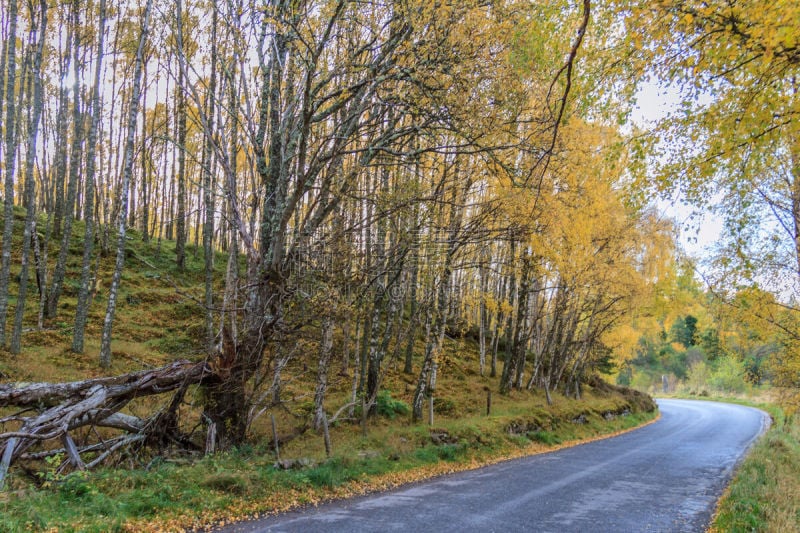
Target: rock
{"points": [[293, 464], [369, 454], [441, 436], [523, 428], [581, 419]]}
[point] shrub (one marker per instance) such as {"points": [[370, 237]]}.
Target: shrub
{"points": [[729, 376], [390, 407], [698, 377]]}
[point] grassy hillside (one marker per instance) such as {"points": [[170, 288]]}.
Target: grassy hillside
{"points": [[158, 321]]}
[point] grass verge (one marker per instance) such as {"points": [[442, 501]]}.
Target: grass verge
{"points": [[763, 496]]}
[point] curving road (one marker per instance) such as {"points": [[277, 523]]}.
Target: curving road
{"points": [[666, 476]]}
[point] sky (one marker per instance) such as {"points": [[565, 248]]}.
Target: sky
{"points": [[698, 234]]}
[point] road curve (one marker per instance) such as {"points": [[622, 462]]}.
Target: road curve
{"points": [[666, 476]]}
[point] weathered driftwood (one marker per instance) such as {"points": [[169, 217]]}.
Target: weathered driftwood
{"points": [[142, 383], [55, 409]]}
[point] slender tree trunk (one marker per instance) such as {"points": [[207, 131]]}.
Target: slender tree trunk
{"points": [[380, 299], [208, 193], [82, 307], [369, 314], [3, 53], [180, 230], [111, 164], [482, 318], [510, 323], [10, 158], [133, 111], [426, 381], [33, 133], [232, 271], [61, 136], [61, 160], [413, 321], [40, 256], [521, 334], [72, 183], [147, 164], [325, 350], [794, 172]]}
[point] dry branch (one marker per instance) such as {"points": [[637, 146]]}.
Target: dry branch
{"points": [[61, 407]]}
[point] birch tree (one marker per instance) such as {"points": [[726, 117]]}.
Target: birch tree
{"points": [[35, 103], [133, 111], [82, 306], [9, 156]]}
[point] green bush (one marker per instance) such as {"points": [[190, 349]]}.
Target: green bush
{"points": [[697, 379], [390, 407], [729, 376], [449, 452]]}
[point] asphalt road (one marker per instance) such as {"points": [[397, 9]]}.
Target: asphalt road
{"points": [[666, 476]]}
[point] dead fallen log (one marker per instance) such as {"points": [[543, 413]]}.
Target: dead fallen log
{"points": [[143, 383], [58, 408]]}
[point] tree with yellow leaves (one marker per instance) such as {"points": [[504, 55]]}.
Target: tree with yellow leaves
{"points": [[733, 144]]}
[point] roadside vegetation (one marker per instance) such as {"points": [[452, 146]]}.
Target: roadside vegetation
{"points": [[693, 343], [691, 340], [176, 494], [763, 494]]}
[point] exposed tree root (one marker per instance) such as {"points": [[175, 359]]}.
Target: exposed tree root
{"points": [[51, 411]]}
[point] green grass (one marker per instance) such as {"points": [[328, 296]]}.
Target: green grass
{"points": [[763, 495]]}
